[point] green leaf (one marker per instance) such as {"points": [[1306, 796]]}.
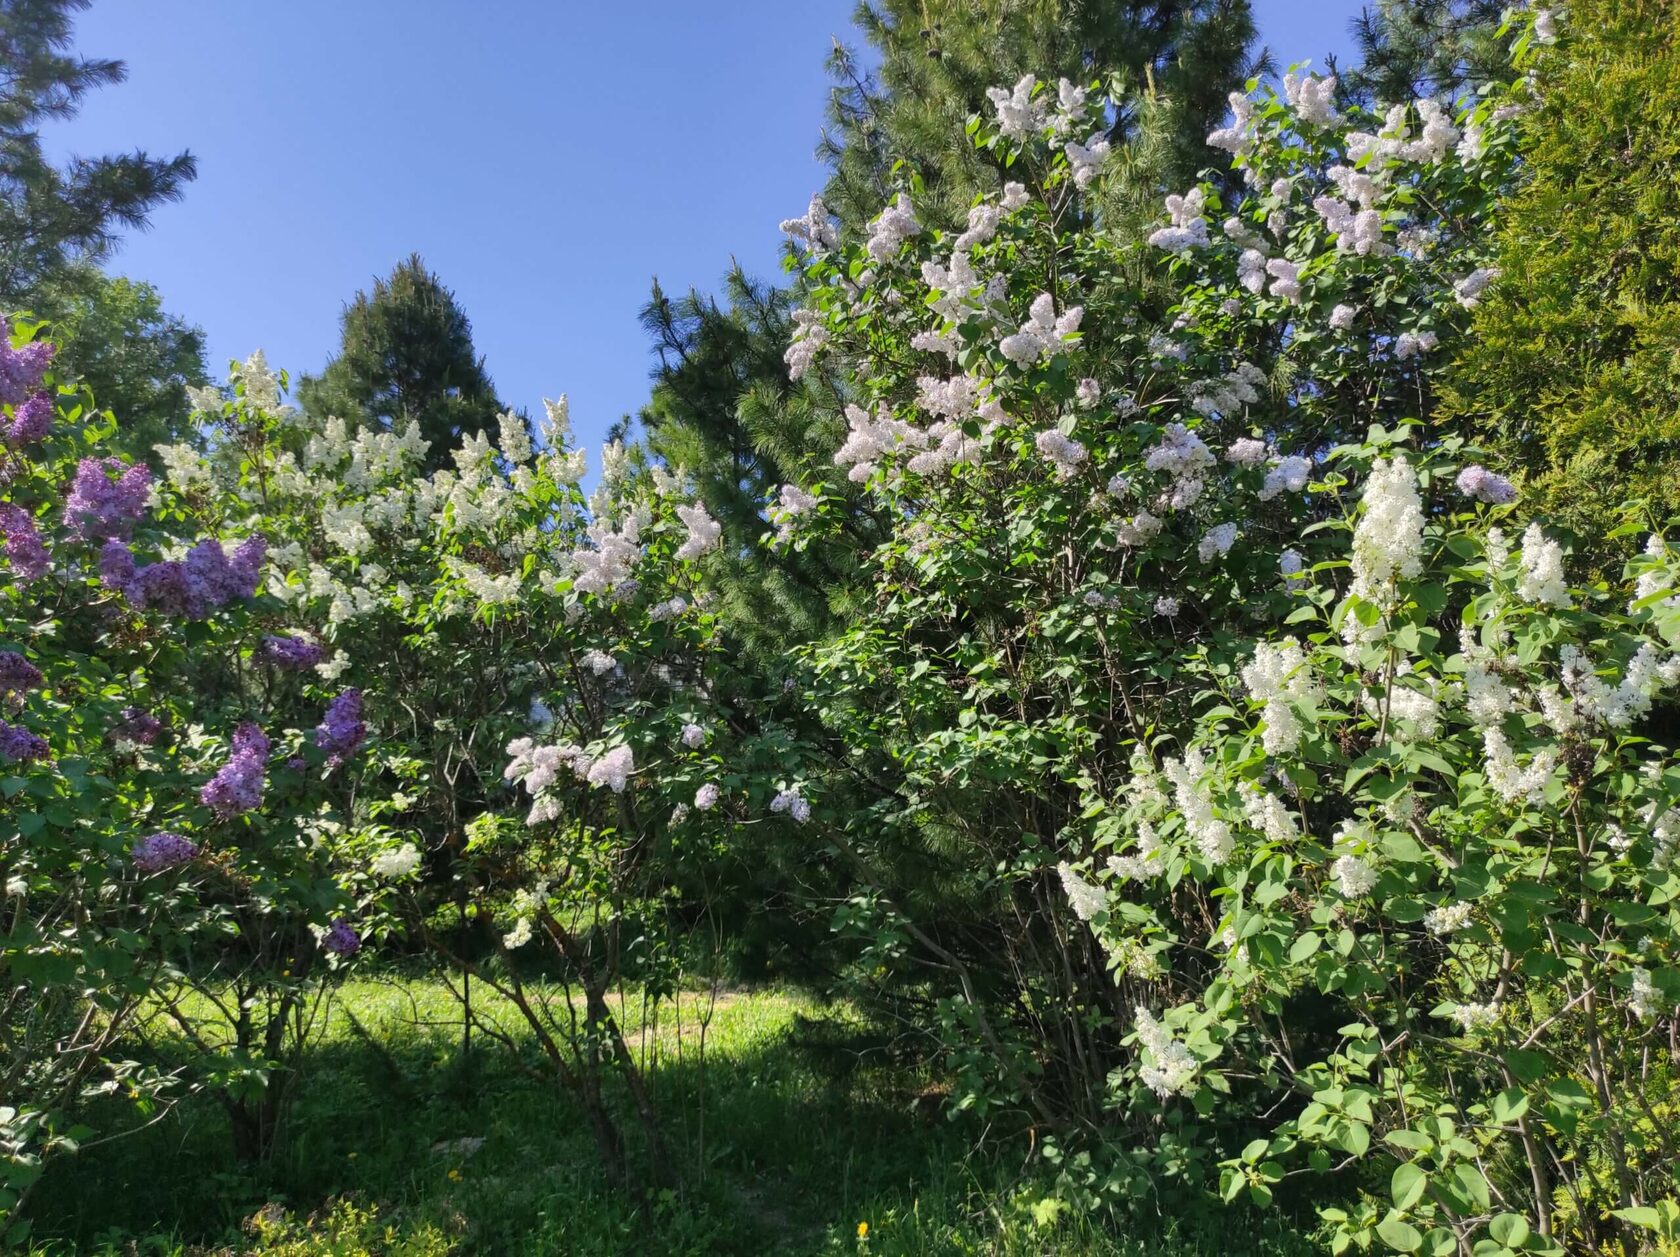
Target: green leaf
{"points": [[1509, 1229], [1475, 1186], [1640, 1215], [1399, 1234], [1509, 1105], [1408, 1184], [1411, 1140]]}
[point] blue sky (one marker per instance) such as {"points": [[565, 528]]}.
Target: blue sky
{"points": [[546, 159]]}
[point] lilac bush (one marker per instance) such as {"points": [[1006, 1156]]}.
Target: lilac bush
{"points": [[105, 703]]}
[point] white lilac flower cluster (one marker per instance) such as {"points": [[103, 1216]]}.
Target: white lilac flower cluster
{"points": [[810, 336], [1312, 98], [1287, 474], [1630, 698], [1085, 899], [791, 802], [605, 568], [396, 863], [1469, 290], [1211, 835], [869, 436], [1182, 455], [1418, 704], [891, 228], [1280, 677], [792, 502], [815, 232], [1510, 780], [1448, 918], [1217, 541], [538, 767], [1541, 579], [704, 532], [597, 661], [1228, 394], [1388, 540], [1394, 141], [1653, 578], [1148, 860], [1354, 876], [1237, 138], [1411, 344], [1063, 452], [1472, 1017], [1266, 812], [1043, 334], [1020, 116], [1644, 1000], [1189, 228], [1169, 1069]]}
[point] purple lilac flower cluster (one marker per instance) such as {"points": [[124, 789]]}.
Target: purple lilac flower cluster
{"points": [[294, 654], [238, 786], [30, 421], [18, 745], [342, 731], [106, 498], [24, 550], [206, 580], [137, 728], [163, 850], [21, 369], [1476, 481], [340, 939], [17, 675]]}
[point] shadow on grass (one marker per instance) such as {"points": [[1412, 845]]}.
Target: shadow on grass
{"points": [[793, 1138]]}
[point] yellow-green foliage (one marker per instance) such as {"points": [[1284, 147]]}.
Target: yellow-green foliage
{"points": [[344, 1230], [1572, 371]]}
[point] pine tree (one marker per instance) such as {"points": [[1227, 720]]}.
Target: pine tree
{"points": [[724, 411], [406, 356], [1423, 48], [53, 217]]}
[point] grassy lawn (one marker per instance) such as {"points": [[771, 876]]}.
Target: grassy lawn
{"points": [[395, 1145]]}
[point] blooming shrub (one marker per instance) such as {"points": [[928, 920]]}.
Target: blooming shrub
{"points": [[562, 743], [130, 633], [1100, 525], [1439, 915]]}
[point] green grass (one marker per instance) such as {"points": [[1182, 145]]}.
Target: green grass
{"points": [[790, 1147]]}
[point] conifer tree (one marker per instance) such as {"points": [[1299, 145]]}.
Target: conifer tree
{"points": [[725, 412], [1427, 48], [406, 356], [1571, 371], [51, 216]]}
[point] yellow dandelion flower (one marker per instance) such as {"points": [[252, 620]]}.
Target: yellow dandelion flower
{"points": [[863, 1230]]}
